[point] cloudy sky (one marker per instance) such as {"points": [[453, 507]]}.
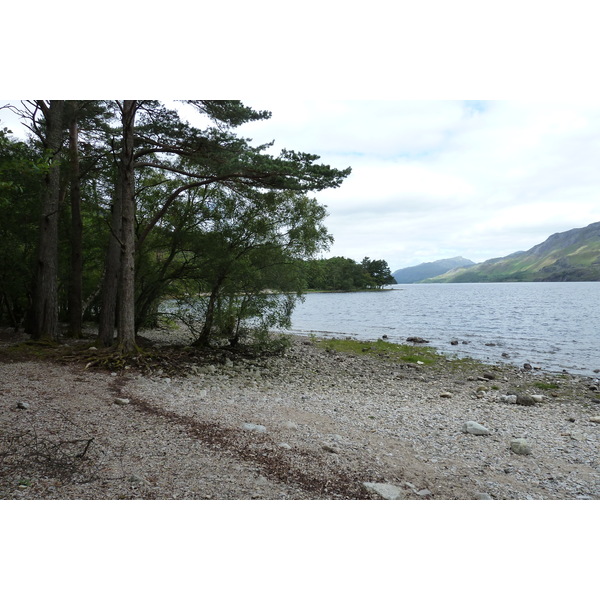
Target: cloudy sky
{"points": [[436, 179]]}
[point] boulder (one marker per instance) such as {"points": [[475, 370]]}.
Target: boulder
{"points": [[386, 490], [475, 428], [254, 427], [520, 446], [525, 400], [417, 340]]}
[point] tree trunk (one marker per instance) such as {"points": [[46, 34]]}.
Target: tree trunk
{"points": [[126, 325], [45, 299], [76, 280], [110, 284], [209, 316]]}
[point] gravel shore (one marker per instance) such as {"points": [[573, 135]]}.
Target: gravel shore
{"points": [[311, 424]]}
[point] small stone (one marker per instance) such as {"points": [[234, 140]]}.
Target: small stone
{"points": [[386, 490], [525, 400], [122, 401], [509, 399], [139, 479], [446, 395], [482, 496], [527, 367], [520, 446], [92, 348], [579, 436], [454, 342], [425, 493], [23, 405], [595, 419], [475, 428], [489, 376], [254, 427], [332, 449], [284, 446], [290, 425], [537, 398]]}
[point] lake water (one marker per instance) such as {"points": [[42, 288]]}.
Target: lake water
{"points": [[555, 326]]}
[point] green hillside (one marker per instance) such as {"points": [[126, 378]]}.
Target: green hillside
{"points": [[572, 255]]}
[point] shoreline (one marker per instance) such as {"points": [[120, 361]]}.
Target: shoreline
{"points": [[312, 424]]}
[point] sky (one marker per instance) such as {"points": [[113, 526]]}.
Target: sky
{"points": [[435, 179]]}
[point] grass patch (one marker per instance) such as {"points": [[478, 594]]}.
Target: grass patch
{"points": [[383, 349], [546, 386]]}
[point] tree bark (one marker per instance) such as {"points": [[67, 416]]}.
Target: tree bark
{"points": [[126, 322], [112, 270], [45, 299], [76, 279]]}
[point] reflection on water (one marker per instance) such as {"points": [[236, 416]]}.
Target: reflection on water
{"points": [[552, 325]]}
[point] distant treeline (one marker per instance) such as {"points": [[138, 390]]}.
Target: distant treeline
{"points": [[345, 274]]}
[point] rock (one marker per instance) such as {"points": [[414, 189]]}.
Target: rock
{"points": [[509, 399], [537, 398], [92, 348], [595, 419], [254, 427], [332, 449], [475, 428], [446, 395], [482, 496], [284, 446], [23, 405], [290, 425], [489, 376], [386, 490], [579, 436], [417, 340], [520, 446], [139, 479], [122, 401], [454, 342], [425, 493], [527, 367], [525, 400]]}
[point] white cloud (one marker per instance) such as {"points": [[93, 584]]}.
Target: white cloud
{"points": [[434, 179]]}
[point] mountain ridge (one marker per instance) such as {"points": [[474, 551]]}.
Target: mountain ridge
{"points": [[425, 270], [572, 255]]}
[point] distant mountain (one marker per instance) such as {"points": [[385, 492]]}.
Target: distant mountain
{"points": [[572, 255], [430, 269]]}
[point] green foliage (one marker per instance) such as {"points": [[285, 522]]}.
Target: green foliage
{"points": [[22, 170], [346, 275], [222, 227]]}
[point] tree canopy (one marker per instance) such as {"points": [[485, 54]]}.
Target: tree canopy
{"points": [[112, 207]]}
